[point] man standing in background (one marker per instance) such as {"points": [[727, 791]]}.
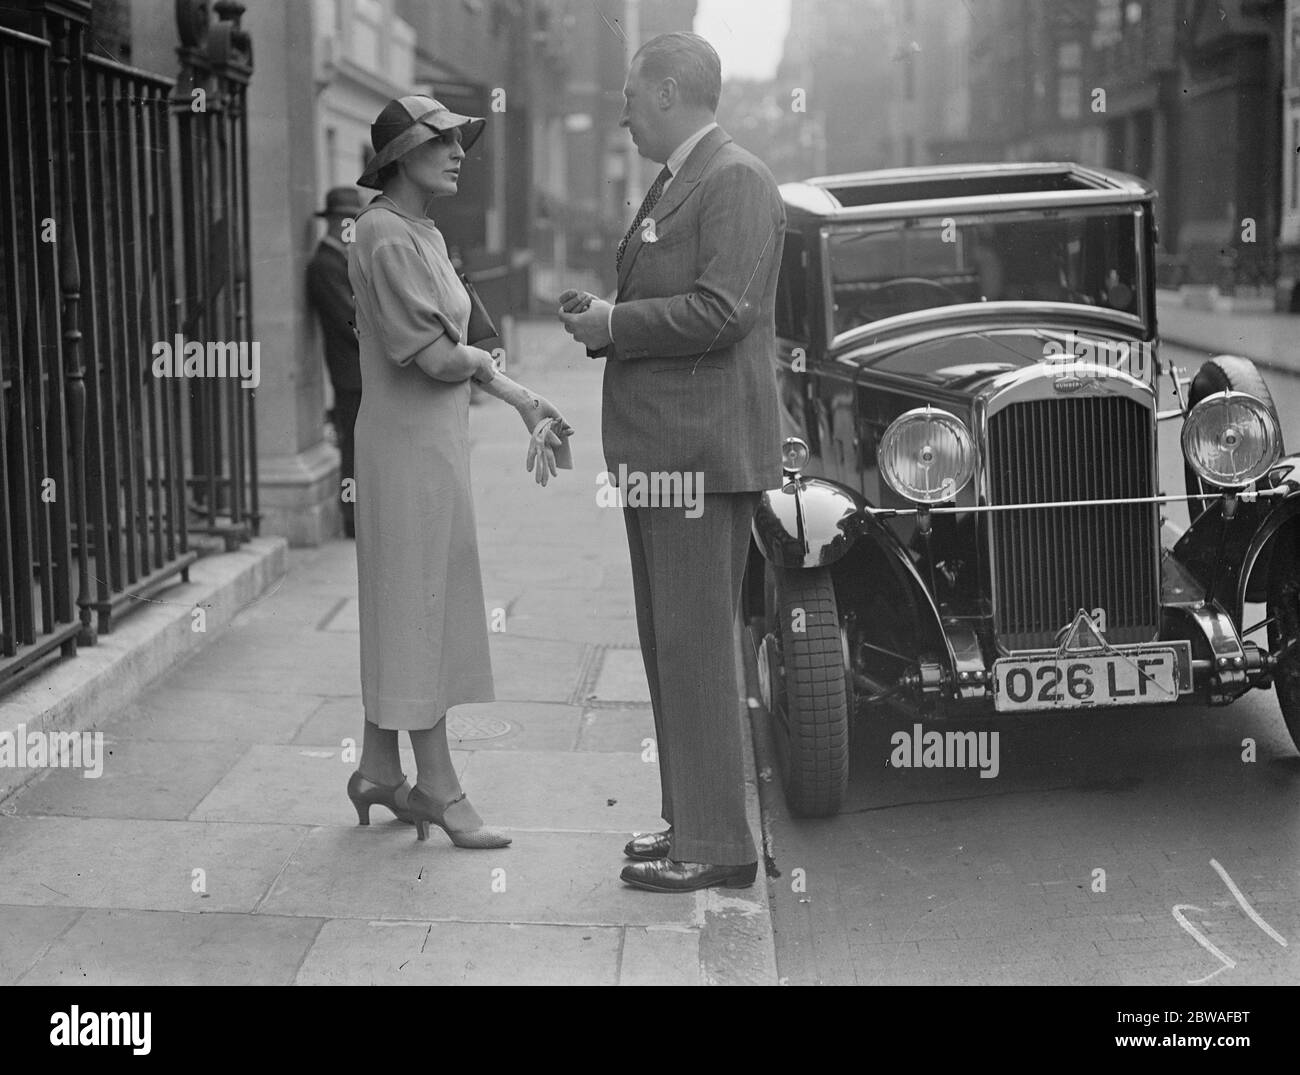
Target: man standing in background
{"points": [[330, 294]]}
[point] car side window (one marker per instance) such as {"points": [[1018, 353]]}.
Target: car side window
{"points": [[792, 290]]}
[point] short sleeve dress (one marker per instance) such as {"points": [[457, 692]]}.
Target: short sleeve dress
{"points": [[424, 642]]}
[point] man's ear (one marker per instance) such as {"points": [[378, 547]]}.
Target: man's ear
{"points": [[667, 92]]}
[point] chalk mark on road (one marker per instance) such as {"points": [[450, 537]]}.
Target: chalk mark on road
{"points": [[1254, 916], [1181, 919]]}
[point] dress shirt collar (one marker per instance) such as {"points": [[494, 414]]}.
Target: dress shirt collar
{"points": [[678, 156]]}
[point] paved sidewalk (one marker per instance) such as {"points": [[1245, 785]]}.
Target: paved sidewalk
{"points": [[1271, 340], [219, 845]]}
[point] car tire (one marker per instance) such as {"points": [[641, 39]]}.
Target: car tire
{"points": [[1224, 373], [1284, 614], [809, 689]]}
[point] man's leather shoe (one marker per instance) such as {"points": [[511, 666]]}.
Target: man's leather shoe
{"points": [[665, 875], [650, 845]]}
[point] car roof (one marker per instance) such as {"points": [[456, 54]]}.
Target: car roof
{"points": [[959, 188]]}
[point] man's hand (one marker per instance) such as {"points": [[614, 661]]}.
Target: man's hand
{"points": [[586, 319]]}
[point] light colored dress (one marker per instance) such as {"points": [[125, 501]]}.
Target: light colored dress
{"points": [[424, 642]]}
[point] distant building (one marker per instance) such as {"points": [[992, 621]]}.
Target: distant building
{"points": [[1187, 94], [1289, 236]]}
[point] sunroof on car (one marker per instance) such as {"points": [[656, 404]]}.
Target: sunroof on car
{"points": [[977, 186]]}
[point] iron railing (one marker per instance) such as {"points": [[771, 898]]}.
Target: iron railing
{"points": [[123, 226]]}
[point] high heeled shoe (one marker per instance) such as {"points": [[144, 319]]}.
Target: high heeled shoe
{"points": [[366, 793], [424, 810]]}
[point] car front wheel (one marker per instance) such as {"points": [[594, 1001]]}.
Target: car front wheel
{"points": [[802, 675]]}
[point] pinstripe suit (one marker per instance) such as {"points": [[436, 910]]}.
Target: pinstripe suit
{"points": [[690, 389]]}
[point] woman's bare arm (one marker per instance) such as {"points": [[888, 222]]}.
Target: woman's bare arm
{"points": [[508, 391], [444, 360]]}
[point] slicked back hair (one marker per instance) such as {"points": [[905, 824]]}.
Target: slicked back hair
{"points": [[688, 59]]}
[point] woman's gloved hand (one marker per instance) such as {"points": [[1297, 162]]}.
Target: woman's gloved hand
{"points": [[541, 451], [548, 447], [536, 408]]}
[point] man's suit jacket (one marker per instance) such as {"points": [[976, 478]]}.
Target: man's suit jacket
{"points": [[690, 381], [330, 293]]}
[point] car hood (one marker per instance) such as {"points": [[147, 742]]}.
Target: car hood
{"points": [[967, 359]]}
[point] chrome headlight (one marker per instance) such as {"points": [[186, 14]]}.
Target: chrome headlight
{"points": [[927, 455], [1231, 439], [794, 455]]}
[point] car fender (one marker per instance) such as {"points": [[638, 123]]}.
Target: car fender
{"points": [[1281, 511], [812, 522], [808, 522], [1235, 564]]}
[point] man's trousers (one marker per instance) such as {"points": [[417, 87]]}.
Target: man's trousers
{"points": [[687, 575]]}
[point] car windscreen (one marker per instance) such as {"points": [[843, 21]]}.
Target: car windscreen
{"points": [[881, 269]]}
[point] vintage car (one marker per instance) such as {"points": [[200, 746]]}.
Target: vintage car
{"points": [[972, 516]]}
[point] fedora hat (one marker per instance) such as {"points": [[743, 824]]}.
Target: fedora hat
{"points": [[341, 201], [407, 122]]}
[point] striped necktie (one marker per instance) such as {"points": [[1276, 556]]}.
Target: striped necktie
{"points": [[647, 206]]}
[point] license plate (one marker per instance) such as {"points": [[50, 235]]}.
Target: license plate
{"points": [[1144, 678]]}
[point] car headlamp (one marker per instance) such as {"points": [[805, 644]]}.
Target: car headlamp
{"points": [[927, 455], [1231, 439], [794, 455]]}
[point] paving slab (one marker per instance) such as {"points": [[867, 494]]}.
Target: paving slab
{"points": [[668, 956], [622, 677], [548, 612], [140, 778], [535, 670], [294, 785], [26, 932], [171, 948], [178, 713], [381, 872], [617, 729], [536, 790], [475, 726], [146, 865], [263, 659], [356, 952]]}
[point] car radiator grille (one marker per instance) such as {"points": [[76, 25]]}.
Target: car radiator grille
{"points": [[1051, 562]]}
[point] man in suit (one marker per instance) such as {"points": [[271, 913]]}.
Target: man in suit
{"points": [[690, 393], [330, 294]]}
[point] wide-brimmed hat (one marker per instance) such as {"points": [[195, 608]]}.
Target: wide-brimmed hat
{"points": [[407, 122], [341, 201]]}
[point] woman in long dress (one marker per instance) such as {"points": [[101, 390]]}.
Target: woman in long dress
{"points": [[424, 641]]}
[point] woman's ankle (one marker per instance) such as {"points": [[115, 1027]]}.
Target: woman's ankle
{"points": [[382, 776]]}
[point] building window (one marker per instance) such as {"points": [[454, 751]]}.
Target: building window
{"points": [[1295, 52], [1069, 59], [1107, 25]]}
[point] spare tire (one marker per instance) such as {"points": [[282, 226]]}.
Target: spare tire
{"points": [[1223, 373]]}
